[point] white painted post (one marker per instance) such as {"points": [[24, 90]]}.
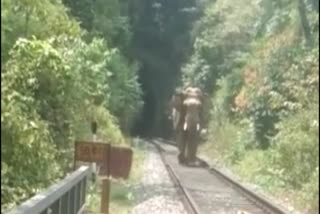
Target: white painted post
{"points": [[94, 127]]}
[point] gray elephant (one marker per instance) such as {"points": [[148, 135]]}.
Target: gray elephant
{"points": [[188, 122]]}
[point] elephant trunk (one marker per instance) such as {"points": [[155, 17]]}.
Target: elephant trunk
{"points": [[192, 114], [186, 126], [192, 120]]}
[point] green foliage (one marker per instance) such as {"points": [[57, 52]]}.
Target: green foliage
{"points": [[310, 193], [42, 19], [260, 171], [52, 89], [229, 86], [103, 19], [222, 34], [109, 21], [37, 70], [108, 128], [125, 101], [219, 140], [22, 132], [257, 88], [297, 146], [231, 139], [23, 129], [54, 84]]}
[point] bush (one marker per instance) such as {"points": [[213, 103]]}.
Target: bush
{"points": [[221, 137], [310, 193], [261, 171], [296, 147], [126, 94], [243, 142], [25, 19], [51, 91], [24, 172]]}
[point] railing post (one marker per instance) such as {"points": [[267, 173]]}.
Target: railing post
{"points": [[75, 199], [80, 194], [68, 203], [60, 206], [105, 193]]}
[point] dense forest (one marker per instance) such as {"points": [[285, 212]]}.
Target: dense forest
{"points": [[67, 63]]}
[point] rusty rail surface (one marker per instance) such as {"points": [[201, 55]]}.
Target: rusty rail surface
{"points": [[266, 204], [66, 197]]}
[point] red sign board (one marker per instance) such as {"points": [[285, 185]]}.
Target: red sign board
{"points": [[114, 161], [92, 152], [120, 162]]}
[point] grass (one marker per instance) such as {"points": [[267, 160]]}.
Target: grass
{"points": [[219, 143], [121, 195]]}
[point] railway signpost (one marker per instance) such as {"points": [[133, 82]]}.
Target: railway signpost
{"points": [[93, 152], [113, 161]]}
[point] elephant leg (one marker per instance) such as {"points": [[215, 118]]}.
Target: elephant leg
{"points": [[193, 151], [182, 146], [188, 149], [192, 147], [177, 138]]}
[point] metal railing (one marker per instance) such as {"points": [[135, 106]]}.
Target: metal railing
{"points": [[66, 197]]}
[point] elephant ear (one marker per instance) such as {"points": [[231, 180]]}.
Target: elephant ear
{"points": [[205, 97], [178, 100], [206, 107], [182, 96], [200, 94]]}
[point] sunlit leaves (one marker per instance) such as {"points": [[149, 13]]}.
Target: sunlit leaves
{"points": [[54, 84], [126, 90], [33, 18], [223, 36], [298, 146], [51, 89]]}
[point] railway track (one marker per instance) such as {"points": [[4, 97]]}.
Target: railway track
{"points": [[207, 190]]}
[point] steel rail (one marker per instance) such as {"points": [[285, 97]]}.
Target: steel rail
{"points": [[189, 203], [260, 200]]}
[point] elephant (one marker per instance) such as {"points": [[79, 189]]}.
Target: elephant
{"points": [[189, 104]]}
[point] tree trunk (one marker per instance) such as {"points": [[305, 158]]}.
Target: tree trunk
{"points": [[26, 29], [304, 22]]}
